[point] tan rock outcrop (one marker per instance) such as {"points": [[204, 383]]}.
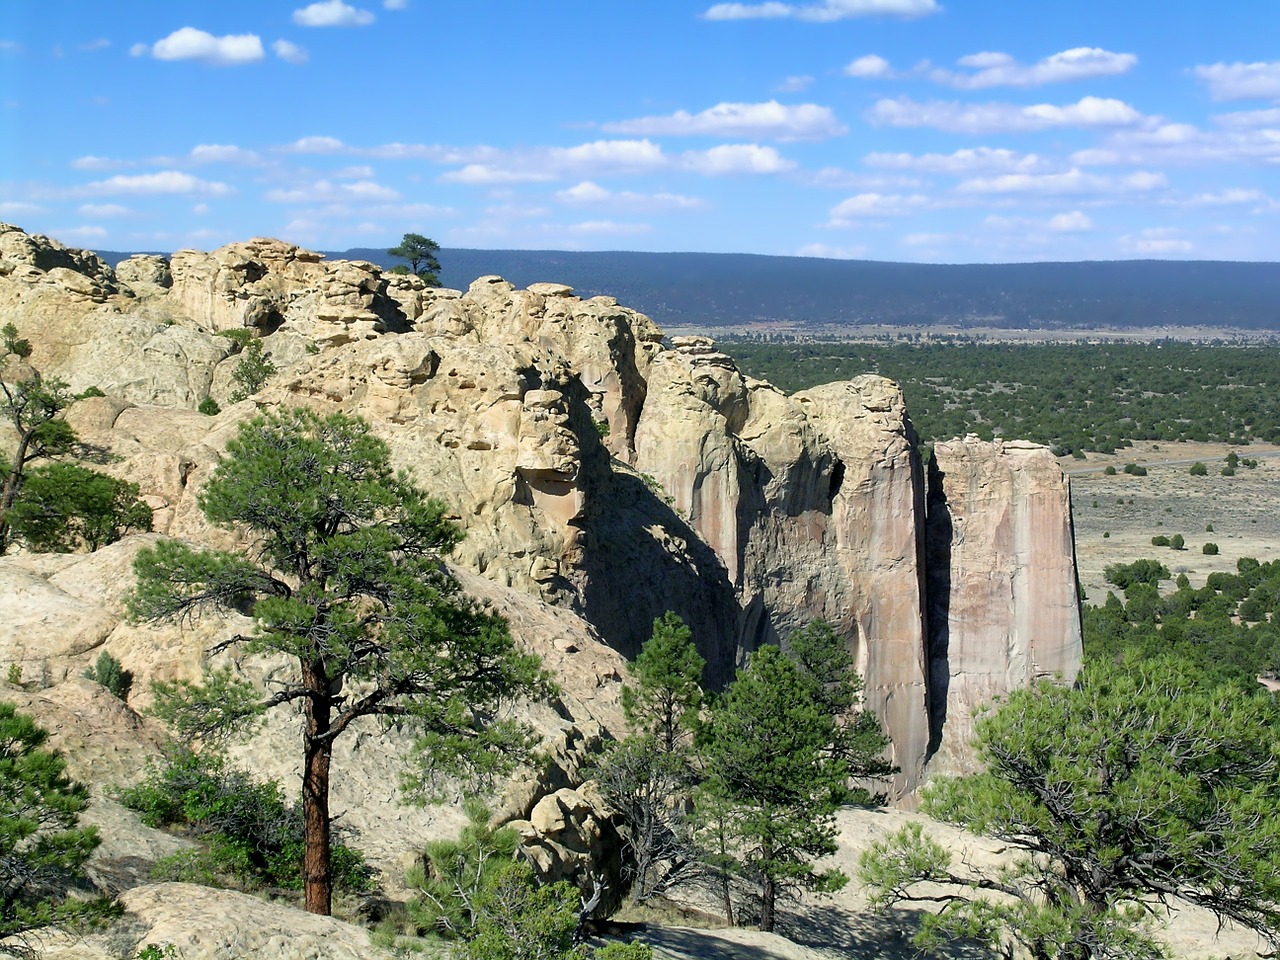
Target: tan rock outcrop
{"points": [[592, 467], [1004, 608]]}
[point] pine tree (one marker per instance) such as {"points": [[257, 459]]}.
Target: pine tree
{"points": [[346, 580], [778, 758]]}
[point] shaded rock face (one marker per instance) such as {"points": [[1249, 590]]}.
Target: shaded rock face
{"points": [[598, 472]]}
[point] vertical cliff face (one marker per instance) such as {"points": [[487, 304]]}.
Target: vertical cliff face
{"points": [[595, 467], [1003, 605]]}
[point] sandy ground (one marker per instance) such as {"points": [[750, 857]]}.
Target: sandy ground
{"points": [[1244, 510]]}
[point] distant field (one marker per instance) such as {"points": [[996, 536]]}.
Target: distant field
{"points": [[1075, 397]]}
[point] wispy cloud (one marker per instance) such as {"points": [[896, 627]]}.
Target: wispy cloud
{"points": [[1073, 181], [1241, 81], [326, 191], [770, 121], [795, 84], [19, 208], [833, 253], [972, 160], [1002, 117], [103, 210], [1156, 240], [188, 43], [290, 52], [332, 13], [874, 206], [826, 12], [591, 194], [990, 69]]}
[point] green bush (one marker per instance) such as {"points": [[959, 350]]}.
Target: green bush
{"points": [[240, 336], [1178, 542], [1125, 575], [1134, 470], [109, 672], [1228, 471], [252, 372], [12, 343], [1208, 528], [1198, 469], [90, 392], [1109, 470], [1160, 541], [209, 407], [252, 837], [1209, 549]]}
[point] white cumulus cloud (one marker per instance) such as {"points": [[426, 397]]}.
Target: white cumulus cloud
{"points": [[869, 66], [771, 120], [188, 43], [993, 69], [733, 158], [322, 145], [332, 13], [222, 153], [1002, 117], [827, 11], [160, 183], [290, 52], [1241, 81]]}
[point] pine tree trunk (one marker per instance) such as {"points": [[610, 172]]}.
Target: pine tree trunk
{"points": [[768, 897], [317, 873]]}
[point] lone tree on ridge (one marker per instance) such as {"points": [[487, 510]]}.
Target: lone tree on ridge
{"points": [[421, 254]]}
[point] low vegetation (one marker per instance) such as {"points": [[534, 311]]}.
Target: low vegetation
{"points": [[1078, 397]]}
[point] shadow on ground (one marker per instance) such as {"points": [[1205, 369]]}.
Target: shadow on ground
{"points": [[887, 935]]}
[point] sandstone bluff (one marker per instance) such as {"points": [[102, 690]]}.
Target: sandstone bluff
{"points": [[604, 474]]}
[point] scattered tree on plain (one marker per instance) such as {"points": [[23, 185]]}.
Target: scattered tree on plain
{"points": [[347, 580], [1138, 787], [421, 254]]}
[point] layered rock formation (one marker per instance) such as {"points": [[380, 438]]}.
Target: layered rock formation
{"points": [[603, 477]]}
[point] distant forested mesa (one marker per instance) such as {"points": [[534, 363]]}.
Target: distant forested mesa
{"points": [[1074, 397]]}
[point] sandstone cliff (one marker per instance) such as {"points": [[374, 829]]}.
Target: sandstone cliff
{"points": [[603, 476]]}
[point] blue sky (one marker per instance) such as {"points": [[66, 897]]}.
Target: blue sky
{"points": [[922, 130]]}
